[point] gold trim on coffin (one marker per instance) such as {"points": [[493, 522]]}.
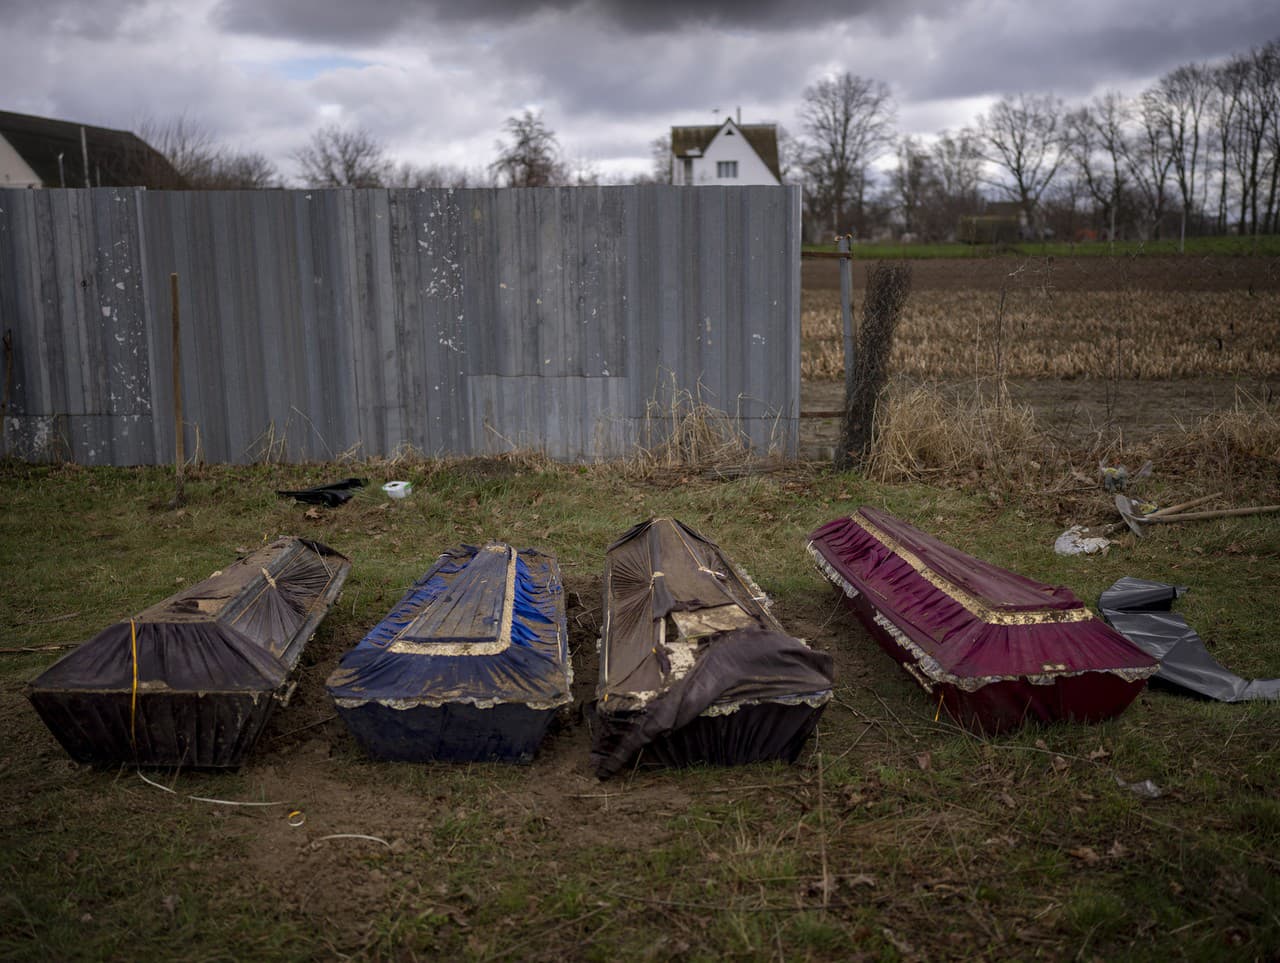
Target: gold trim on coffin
{"points": [[926, 666], [499, 644], [974, 606]]}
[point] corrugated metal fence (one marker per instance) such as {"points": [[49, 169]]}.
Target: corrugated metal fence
{"points": [[317, 323]]}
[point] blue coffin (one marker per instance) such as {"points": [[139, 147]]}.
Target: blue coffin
{"points": [[469, 666]]}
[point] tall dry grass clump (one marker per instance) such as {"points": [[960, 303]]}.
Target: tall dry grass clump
{"points": [[980, 439], [1237, 448], [681, 431], [924, 433]]}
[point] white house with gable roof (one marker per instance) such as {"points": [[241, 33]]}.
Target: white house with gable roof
{"points": [[726, 155]]}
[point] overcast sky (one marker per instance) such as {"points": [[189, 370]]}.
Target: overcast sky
{"points": [[434, 80]]}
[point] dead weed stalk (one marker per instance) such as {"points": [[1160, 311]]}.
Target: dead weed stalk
{"points": [[681, 431], [922, 433], [1238, 447], [982, 439]]}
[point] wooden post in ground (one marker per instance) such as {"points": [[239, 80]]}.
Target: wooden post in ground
{"points": [[8, 383], [179, 448]]}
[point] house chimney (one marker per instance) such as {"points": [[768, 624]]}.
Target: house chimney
{"points": [[739, 117]]}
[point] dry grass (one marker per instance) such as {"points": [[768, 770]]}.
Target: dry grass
{"points": [[1047, 333], [895, 837], [923, 433], [682, 431], [978, 438], [1239, 442]]}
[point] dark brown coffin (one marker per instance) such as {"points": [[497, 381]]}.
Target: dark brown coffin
{"points": [[192, 680], [693, 666]]}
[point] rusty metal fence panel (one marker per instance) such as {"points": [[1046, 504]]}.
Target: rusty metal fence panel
{"points": [[317, 323]]}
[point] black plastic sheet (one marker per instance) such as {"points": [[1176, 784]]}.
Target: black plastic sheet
{"points": [[330, 496], [1141, 611]]}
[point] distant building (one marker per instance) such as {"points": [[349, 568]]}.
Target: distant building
{"points": [[728, 154], [1001, 222], [42, 152]]}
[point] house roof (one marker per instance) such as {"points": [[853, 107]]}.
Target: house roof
{"points": [[117, 158], [763, 138]]}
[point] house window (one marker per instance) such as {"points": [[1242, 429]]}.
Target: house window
{"points": [[726, 168]]}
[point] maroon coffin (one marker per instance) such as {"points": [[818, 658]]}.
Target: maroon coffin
{"points": [[992, 648]]}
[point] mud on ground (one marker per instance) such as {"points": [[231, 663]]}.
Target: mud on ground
{"points": [[555, 808]]}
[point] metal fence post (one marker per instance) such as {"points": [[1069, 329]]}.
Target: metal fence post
{"points": [[846, 313]]}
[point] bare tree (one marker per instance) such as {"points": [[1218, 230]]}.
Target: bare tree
{"points": [[848, 123], [660, 152], [250, 170], [1229, 81], [912, 181], [203, 163], [1271, 129], [1260, 103], [1022, 137], [532, 157], [1183, 97], [790, 155], [1150, 160], [582, 172], [956, 165], [186, 144], [1096, 138], [957, 162], [434, 175], [337, 156]]}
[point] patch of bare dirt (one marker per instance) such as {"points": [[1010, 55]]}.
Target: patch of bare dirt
{"points": [[306, 758]]}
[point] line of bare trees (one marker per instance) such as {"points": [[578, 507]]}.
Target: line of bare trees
{"points": [[201, 162], [339, 156], [1198, 152]]}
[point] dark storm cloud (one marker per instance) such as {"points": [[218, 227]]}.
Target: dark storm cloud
{"points": [[336, 21], [82, 18], [435, 78], [1028, 51], [550, 59]]}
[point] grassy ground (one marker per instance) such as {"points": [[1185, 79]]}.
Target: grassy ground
{"points": [[895, 837], [1267, 245]]}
